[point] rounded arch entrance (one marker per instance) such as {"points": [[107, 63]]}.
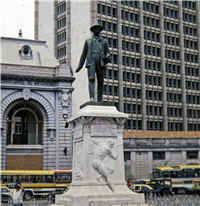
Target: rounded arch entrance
{"points": [[24, 153], [46, 110], [24, 124]]}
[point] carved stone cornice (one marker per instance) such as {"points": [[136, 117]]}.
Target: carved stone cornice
{"points": [[33, 80], [87, 121], [120, 122]]}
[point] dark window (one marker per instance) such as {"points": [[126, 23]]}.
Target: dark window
{"points": [[158, 155], [192, 154], [127, 156]]}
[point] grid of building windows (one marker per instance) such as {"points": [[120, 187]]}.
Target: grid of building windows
{"points": [[176, 46], [154, 71], [61, 32]]}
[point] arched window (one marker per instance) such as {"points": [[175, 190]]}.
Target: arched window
{"points": [[24, 125]]}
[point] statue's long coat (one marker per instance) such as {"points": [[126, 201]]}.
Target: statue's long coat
{"points": [[87, 51]]}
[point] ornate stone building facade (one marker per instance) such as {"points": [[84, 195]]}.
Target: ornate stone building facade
{"points": [[35, 105]]}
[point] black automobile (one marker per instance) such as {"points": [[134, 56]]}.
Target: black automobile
{"points": [[52, 195], [162, 186], [5, 198]]}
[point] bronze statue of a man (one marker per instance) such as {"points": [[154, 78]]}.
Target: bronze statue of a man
{"points": [[97, 55]]}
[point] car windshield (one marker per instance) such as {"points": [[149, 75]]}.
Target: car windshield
{"points": [[4, 190], [152, 185]]}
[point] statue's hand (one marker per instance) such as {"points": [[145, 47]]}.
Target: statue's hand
{"points": [[77, 70], [107, 59]]}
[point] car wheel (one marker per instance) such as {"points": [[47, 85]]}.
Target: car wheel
{"points": [[166, 193], [28, 195]]}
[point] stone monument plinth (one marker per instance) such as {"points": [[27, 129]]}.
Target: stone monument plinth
{"points": [[98, 160]]}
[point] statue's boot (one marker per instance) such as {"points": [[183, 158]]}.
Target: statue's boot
{"points": [[100, 91], [91, 89]]}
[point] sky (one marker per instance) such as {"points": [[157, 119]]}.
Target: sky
{"points": [[15, 15]]}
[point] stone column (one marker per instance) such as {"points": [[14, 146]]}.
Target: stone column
{"points": [[150, 159], [133, 164], [142, 66], [162, 44], [184, 159], [183, 88], [98, 162], [167, 158], [120, 66], [198, 29], [3, 148]]}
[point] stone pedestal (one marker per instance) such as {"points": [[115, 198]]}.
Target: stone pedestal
{"points": [[98, 160]]}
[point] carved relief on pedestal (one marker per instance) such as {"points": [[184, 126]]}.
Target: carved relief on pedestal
{"points": [[103, 151], [78, 174], [86, 121], [120, 122]]}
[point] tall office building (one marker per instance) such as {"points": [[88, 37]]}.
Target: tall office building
{"points": [[154, 74]]}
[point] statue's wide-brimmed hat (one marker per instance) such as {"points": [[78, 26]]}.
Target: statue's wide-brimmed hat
{"points": [[95, 26]]}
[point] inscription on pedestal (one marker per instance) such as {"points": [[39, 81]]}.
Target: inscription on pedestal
{"points": [[104, 130]]}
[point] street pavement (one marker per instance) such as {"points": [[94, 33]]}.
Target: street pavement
{"points": [[176, 200]]}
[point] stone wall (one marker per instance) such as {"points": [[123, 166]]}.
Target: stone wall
{"points": [[128, 133]]}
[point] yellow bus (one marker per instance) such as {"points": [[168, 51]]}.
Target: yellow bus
{"points": [[36, 182], [62, 178], [182, 175]]}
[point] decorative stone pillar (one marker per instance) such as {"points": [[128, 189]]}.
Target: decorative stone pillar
{"points": [[98, 162], [3, 149], [184, 158], [65, 101], [142, 67]]}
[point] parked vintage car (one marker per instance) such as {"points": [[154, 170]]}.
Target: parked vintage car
{"points": [[6, 194], [162, 186], [143, 188]]}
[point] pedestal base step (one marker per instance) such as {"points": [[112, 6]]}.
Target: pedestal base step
{"points": [[85, 198]]}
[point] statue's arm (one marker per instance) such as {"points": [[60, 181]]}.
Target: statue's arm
{"points": [[113, 153], [96, 141], [83, 57]]}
